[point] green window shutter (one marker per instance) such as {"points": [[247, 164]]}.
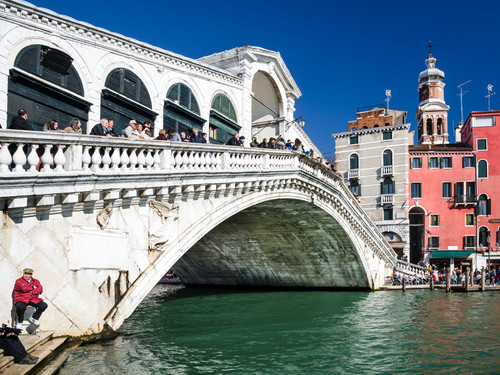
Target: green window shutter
{"points": [[393, 187], [429, 162], [381, 188], [359, 189], [451, 162]]}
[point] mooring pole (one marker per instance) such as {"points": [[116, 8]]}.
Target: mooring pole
{"points": [[432, 280], [404, 283], [467, 279], [483, 281], [448, 279]]}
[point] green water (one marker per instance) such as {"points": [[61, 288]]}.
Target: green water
{"points": [[209, 331]]}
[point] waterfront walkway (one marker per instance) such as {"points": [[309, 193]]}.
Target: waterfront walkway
{"points": [[49, 349]]}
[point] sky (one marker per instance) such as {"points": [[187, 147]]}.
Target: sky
{"points": [[342, 54]]}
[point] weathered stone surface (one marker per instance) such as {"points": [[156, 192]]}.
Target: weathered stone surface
{"points": [[282, 243]]}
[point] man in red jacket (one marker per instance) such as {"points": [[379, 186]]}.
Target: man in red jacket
{"points": [[27, 291]]}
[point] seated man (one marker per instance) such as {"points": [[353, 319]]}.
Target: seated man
{"points": [[27, 291], [12, 346]]}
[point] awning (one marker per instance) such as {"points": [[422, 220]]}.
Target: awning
{"points": [[452, 254]]}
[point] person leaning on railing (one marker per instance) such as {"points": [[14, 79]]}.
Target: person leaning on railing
{"points": [[74, 127]]}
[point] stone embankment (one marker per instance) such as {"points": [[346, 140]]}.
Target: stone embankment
{"points": [[52, 352]]}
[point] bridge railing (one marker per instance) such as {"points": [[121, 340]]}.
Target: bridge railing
{"points": [[44, 152], [407, 268]]}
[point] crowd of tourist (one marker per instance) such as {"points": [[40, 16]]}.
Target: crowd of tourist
{"points": [[457, 277], [138, 130]]}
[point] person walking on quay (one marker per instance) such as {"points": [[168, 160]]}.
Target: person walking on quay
{"points": [[27, 291]]}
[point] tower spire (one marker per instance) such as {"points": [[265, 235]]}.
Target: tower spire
{"points": [[432, 112]]}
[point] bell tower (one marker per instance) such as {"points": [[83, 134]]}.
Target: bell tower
{"points": [[432, 111]]}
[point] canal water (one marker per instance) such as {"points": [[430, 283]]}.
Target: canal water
{"points": [[212, 331]]}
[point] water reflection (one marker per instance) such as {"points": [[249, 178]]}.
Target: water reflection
{"points": [[214, 332]]}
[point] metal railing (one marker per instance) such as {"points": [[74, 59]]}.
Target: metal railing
{"points": [[465, 199]]}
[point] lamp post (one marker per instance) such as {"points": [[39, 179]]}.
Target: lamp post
{"points": [[299, 120], [489, 259]]}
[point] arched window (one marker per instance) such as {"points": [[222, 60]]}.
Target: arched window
{"points": [[482, 169], [439, 126], [388, 186], [125, 98], [387, 157], [354, 161], [365, 127], [45, 83], [181, 111], [482, 205], [483, 236], [429, 126], [223, 120]]}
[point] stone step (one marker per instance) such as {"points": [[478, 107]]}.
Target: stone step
{"points": [[45, 352], [30, 342]]}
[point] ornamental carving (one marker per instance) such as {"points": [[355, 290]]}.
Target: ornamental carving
{"points": [[104, 215], [161, 216]]}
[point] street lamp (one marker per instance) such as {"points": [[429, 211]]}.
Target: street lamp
{"points": [[299, 120]]}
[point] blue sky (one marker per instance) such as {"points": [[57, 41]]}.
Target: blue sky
{"points": [[342, 54]]}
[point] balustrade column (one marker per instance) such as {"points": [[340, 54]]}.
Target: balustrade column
{"points": [[59, 159], [19, 158], [33, 159], [5, 158], [47, 159]]}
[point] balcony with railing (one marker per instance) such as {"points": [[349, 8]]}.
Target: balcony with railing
{"points": [[353, 174], [387, 171], [465, 200], [387, 199]]}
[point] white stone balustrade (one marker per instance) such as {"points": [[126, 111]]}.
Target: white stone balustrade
{"points": [[410, 269]]}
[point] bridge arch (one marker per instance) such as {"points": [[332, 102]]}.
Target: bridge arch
{"points": [[332, 217]]}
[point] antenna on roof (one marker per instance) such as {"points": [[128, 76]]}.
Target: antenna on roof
{"points": [[462, 93], [388, 98], [490, 93]]}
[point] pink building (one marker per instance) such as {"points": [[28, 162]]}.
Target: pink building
{"points": [[481, 133]]}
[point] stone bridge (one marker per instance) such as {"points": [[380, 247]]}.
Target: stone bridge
{"points": [[102, 220]]}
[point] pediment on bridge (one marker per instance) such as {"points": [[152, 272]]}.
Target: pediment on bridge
{"points": [[247, 60]]}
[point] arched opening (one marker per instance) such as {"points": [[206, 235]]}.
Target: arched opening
{"points": [[354, 161], [125, 98], [439, 126], [365, 127], [215, 260], [417, 234], [429, 126], [45, 83], [266, 102], [387, 156], [482, 205], [483, 236], [223, 120], [181, 111], [482, 169]]}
